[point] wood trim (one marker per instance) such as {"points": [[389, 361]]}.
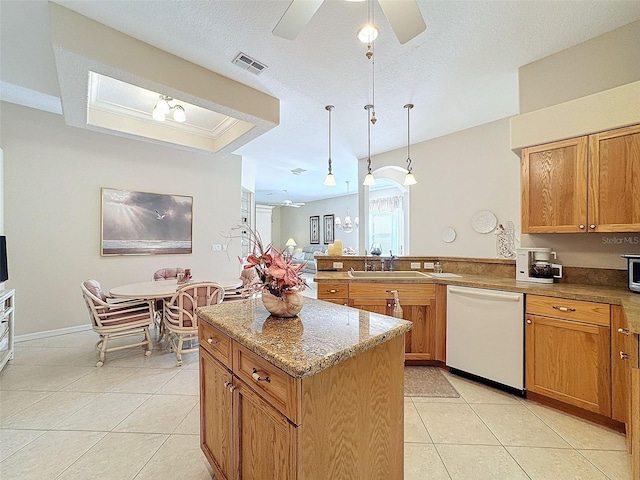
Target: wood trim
{"points": [[441, 323], [620, 368], [576, 411], [524, 182]]}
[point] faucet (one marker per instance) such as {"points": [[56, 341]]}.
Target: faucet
{"points": [[392, 260]]}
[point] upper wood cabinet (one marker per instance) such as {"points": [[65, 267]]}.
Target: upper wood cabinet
{"points": [[585, 184]]}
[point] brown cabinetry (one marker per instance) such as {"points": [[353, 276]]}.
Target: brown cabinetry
{"points": [[260, 423], [334, 292], [585, 184], [568, 352], [623, 357], [634, 431], [418, 303]]}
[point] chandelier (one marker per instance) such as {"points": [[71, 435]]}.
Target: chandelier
{"points": [[347, 226], [164, 108]]}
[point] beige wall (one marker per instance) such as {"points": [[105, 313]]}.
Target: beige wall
{"points": [[458, 175], [604, 62], [53, 176], [294, 222]]}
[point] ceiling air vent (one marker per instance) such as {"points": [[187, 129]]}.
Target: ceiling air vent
{"points": [[247, 63], [298, 171]]}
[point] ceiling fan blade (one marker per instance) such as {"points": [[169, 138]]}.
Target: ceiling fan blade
{"points": [[295, 18], [405, 18]]}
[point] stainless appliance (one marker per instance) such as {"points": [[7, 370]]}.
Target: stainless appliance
{"points": [[485, 334], [633, 265], [534, 265]]}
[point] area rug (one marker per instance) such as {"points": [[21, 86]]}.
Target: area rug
{"points": [[427, 382]]}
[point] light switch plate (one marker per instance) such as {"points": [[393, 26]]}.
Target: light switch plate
{"points": [[415, 265], [428, 265], [216, 247], [337, 264]]}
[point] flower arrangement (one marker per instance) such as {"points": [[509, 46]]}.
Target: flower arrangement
{"points": [[275, 271]]}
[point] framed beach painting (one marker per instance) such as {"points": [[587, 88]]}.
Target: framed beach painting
{"points": [[142, 223], [328, 229], [314, 229]]}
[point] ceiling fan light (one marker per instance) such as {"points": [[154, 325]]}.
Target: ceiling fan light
{"points": [[162, 105], [179, 114], [368, 33], [369, 180], [158, 115], [330, 180], [410, 179]]}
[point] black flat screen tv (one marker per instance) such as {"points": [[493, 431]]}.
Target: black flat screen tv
{"points": [[4, 270]]}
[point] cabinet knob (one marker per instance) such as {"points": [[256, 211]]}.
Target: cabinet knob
{"points": [[229, 386], [624, 356], [623, 331], [564, 309], [258, 378], [529, 322], [592, 226], [333, 290], [211, 341], [581, 226]]}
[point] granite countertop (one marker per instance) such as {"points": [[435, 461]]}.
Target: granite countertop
{"points": [[614, 295], [321, 336]]}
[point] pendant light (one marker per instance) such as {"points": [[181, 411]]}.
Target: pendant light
{"points": [[409, 179], [348, 225], [369, 180], [330, 180]]}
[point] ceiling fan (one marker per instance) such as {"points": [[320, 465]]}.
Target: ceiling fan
{"points": [[404, 16], [286, 202]]}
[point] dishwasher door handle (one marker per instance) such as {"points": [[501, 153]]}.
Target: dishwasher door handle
{"points": [[489, 295]]}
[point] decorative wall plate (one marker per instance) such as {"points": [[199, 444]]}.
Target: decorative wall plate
{"points": [[448, 235], [484, 221]]}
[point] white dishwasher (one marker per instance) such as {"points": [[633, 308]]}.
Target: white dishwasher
{"points": [[485, 334]]}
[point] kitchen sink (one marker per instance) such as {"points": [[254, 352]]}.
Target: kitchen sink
{"points": [[388, 275]]}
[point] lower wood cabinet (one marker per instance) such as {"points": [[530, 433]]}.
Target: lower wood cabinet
{"points": [[418, 302], [624, 356], [259, 423], [634, 430], [569, 360]]}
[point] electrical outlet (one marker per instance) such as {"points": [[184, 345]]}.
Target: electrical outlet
{"points": [[337, 264], [428, 265], [216, 247], [415, 265]]}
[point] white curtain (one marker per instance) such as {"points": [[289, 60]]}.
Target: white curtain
{"points": [[385, 204]]}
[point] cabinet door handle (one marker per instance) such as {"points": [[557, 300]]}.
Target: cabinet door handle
{"points": [[623, 331], [564, 309], [592, 226], [258, 378], [333, 290], [211, 341], [624, 356], [229, 386], [529, 322], [581, 226]]}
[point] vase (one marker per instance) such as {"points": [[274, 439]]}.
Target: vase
{"points": [[286, 306]]}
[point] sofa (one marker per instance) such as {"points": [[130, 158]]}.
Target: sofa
{"points": [[307, 256]]}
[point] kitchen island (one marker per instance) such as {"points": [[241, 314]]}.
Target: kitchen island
{"points": [[315, 397]]}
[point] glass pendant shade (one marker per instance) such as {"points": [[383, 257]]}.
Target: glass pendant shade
{"points": [[163, 106], [369, 180], [158, 115], [410, 179], [368, 33], [330, 180], [179, 114]]}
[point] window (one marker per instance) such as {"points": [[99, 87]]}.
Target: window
{"points": [[386, 222]]}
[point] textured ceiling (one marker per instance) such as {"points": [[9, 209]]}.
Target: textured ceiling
{"points": [[460, 72]]}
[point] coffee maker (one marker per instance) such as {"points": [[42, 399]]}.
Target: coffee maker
{"points": [[534, 265]]}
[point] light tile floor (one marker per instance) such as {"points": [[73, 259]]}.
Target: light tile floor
{"points": [[138, 418]]}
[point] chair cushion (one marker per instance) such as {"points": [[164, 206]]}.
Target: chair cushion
{"points": [[167, 273], [94, 287]]}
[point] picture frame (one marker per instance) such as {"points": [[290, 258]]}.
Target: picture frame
{"points": [[314, 229], [328, 221], [144, 223]]}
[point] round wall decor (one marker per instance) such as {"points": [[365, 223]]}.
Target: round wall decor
{"points": [[484, 221], [448, 235]]}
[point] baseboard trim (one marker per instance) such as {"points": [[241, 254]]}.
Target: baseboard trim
{"points": [[51, 333]]}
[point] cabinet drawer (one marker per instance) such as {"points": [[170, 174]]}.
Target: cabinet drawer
{"points": [[578, 310], [381, 290], [215, 342], [276, 386], [333, 290]]}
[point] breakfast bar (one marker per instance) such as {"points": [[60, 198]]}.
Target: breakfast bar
{"points": [[316, 396]]}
